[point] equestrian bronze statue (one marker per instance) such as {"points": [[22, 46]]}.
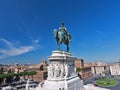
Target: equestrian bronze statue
{"points": [[62, 36]]}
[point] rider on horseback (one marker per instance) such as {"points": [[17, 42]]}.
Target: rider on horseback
{"points": [[63, 29], [62, 36]]}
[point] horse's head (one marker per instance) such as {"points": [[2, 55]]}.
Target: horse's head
{"points": [[55, 33]]}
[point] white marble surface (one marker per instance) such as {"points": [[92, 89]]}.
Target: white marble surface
{"points": [[91, 87]]}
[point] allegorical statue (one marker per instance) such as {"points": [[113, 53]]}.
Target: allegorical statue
{"points": [[62, 36], [66, 70], [50, 71], [57, 71], [62, 71]]}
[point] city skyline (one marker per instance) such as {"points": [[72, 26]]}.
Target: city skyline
{"points": [[26, 29]]}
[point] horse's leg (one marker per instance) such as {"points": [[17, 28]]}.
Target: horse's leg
{"points": [[60, 42], [58, 46], [67, 48]]}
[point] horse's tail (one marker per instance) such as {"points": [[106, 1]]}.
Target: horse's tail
{"points": [[55, 33], [69, 37]]}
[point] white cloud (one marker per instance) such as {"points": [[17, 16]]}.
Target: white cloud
{"points": [[35, 41], [13, 50], [8, 44]]}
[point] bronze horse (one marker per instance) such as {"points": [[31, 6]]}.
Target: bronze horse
{"points": [[61, 37]]}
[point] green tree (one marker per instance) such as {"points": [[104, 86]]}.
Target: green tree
{"points": [[3, 78], [33, 73], [23, 74], [41, 68], [78, 70], [1, 70], [9, 77]]}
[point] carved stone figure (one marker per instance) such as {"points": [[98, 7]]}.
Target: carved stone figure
{"points": [[62, 71], [50, 71], [66, 70], [56, 71]]}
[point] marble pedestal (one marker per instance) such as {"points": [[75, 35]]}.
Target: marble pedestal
{"points": [[70, 84], [61, 73]]}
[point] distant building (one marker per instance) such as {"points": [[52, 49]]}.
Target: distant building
{"points": [[85, 69], [41, 70], [115, 69], [98, 69], [18, 69], [40, 76], [79, 63], [99, 63]]}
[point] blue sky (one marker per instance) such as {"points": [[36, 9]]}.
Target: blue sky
{"points": [[26, 29]]}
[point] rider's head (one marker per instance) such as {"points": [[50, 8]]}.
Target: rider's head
{"points": [[62, 24]]}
